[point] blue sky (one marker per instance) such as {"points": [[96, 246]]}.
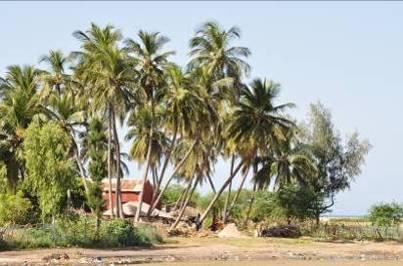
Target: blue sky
{"points": [[347, 55]]}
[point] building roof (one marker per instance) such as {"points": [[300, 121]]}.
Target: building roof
{"points": [[126, 184]]}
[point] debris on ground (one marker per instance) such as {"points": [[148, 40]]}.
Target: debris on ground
{"points": [[56, 257], [230, 231], [288, 231]]}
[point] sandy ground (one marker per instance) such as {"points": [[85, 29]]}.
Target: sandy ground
{"points": [[225, 252]]}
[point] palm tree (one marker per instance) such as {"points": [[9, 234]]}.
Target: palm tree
{"points": [[109, 77], [256, 123], [55, 79], [150, 60], [183, 107], [19, 106], [289, 164], [220, 63], [211, 49], [197, 166]]}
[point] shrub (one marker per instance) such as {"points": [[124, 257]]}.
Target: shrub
{"points": [[81, 232], [13, 208], [386, 214]]}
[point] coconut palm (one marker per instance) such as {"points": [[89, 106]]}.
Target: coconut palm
{"points": [[19, 106], [109, 78], [183, 106], [256, 124], [198, 165], [150, 59], [55, 78], [211, 49], [289, 165]]}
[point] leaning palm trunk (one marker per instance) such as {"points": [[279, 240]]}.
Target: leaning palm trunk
{"points": [[148, 162], [211, 183], [164, 167], [235, 199], [77, 158], [179, 165], [185, 203], [186, 194], [227, 199], [218, 194], [252, 200], [118, 195], [229, 193], [110, 159], [180, 199]]}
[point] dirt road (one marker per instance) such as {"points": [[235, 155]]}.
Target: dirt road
{"points": [[208, 250]]}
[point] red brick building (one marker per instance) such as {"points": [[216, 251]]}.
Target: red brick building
{"points": [[130, 189]]}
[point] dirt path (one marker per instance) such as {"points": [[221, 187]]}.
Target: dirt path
{"points": [[213, 249]]}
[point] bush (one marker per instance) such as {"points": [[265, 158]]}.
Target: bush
{"points": [[13, 208], [386, 214], [82, 232]]}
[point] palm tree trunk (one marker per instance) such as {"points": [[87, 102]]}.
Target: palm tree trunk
{"points": [[164, 167], [218, 194], [148, 162], [252, 200], [155, 177], [179, 165], [180, 199], [211, 183], [229, 192], [183, 208], [77, 158], [118, 172], [110, 159], [167, 158], [238, 192], [185, 195], [227, 199]]}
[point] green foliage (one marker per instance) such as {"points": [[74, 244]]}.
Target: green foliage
{"points": [[49, 166], [337, 163], [81, 232], [173, 192], [95, 143], [386, 214], [3, 177], [296, 202], [14, 209]]}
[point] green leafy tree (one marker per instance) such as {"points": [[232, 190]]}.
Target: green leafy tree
{"points": [[95, 143], [49, 167], [19, 105], [295, 201], [337, 163], [386, 214]]}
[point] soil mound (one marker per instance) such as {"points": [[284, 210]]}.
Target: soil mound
{"points": [[230, 231]]}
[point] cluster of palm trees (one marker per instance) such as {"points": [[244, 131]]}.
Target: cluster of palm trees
{"points": [[180, 120]]}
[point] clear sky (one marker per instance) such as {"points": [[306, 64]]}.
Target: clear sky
{"points": [[347, 55]]}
